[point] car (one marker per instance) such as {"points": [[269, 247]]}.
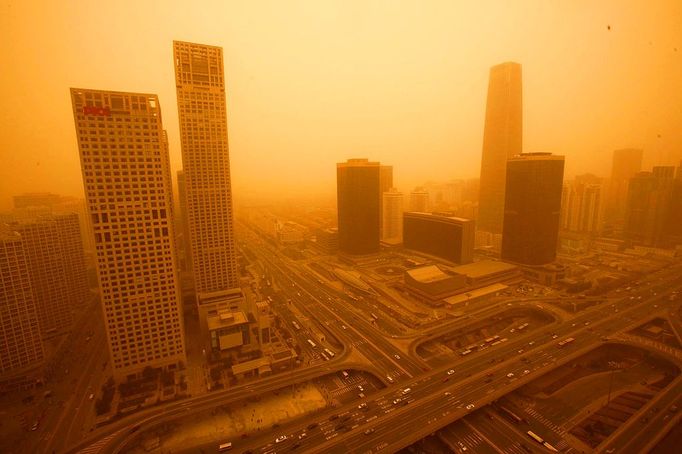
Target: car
{"points": [[312, 425], [388, 377], [396, 356], [369, 431], [554, 336], [280, 439], [361, 388], [447, 393], [333, 417], [302, 436], [362, 406], [396, 401], [510, 374], [526, 372], [343, 326], [451, 371], [406, 390], [91, 396], [470, 406], [34, 426]]}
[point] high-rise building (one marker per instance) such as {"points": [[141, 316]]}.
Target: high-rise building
{"points": [[649, 205], [502, 139], [182, 196], [127, 180], [56, 263], [448, 237], [392, 213], [385, 184], [358, 197], [21, 346], [532, 207], [419, 201], [626, 164], [581, 204], [674, 221], [36, 199], [202, 112]]}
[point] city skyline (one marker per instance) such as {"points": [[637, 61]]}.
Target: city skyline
{"points": [[630, 54]]}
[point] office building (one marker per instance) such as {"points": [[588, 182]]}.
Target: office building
{"points": [[419, 201], [127, 180], [185, 243], [626, 164], [649, 206], [21, 347], [392, 213], [385, 184], [358, 197], [532, 207], [202, 113], [502, 139], [581, 205], [449, 238], [56, 264]]}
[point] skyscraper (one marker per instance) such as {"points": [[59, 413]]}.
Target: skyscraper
{"points": [[648, 206], [532, 207], [502, 139], [392, 213], [419, 201], [357, 192], [56, 263], [385, 184], [21, 347], [448, 237], [202, 112], [581, 204], [182, 196], [626, 164], [126, 175]]}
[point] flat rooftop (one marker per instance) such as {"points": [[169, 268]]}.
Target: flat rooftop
{"points": [[484, 268], [427, 274]]}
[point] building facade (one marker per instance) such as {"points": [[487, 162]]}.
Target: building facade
{"points": [[21, 347], [358, 197], [649, 206], [127, 180], [419, 201], [450, 238], [202, 113], [502, 139], [392, 213], [626, 164], [532, 208], [581, 205]]}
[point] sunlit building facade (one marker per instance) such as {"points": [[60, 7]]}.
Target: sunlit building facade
{"points": [[447, 237], [126, 175], [202, 113], [502, 139]]}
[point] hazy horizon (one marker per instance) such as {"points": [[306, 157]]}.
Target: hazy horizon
{"points": [[310, 84]]}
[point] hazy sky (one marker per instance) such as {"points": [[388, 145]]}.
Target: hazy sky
{"points": [[312, 83]]}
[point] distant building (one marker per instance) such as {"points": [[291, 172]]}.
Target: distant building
{"points": [[502, 139], [291, 232], [581, 205], [392, 216], [626, 164], [449, 238], [532, 207], [56, 264], [127, 180], [36, 199], [21, 347], [419, 201], [648, 206], [358, 200], [328, 240], [385, 185], [674, 220]]}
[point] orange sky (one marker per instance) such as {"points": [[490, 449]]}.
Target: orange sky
{"points": [[312, 83]]}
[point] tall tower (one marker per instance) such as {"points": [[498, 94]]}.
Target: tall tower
{"points": [[419, 201], [385, 184], [392, 213], [532, 207], [627, 163], [357, 192], [202, 112], [502, 139], [126, 175], [21, 347], [648, 206], [182, 195]]}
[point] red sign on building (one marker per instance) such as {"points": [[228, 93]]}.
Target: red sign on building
{"points": [[93, 110]]}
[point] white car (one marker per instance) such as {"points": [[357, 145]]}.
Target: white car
{"points": [[396, 356], [510, 374], [470, 406], [280, 439], [451, 371]]}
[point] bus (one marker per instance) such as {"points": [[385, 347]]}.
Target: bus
{"points": [[465, 352], [511, 415], [489, 340], [225, 446], [532, 435], [324, 355], [329, 352], [566, 342], [522, 327], [296, 325], [374, 316], [312, 344]]}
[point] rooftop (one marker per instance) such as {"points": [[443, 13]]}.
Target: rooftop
{"points": [[483, 268], [428, 274]]}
